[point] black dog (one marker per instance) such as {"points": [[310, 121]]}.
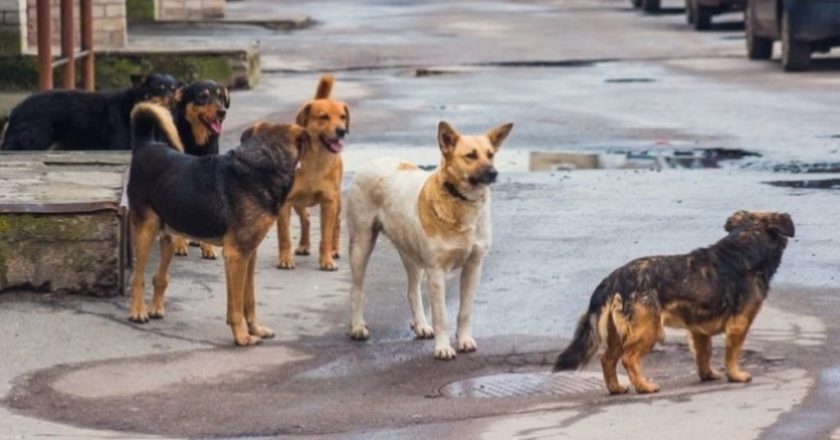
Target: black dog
{"points": [[200, 110], [230, 200], [81, 120]]}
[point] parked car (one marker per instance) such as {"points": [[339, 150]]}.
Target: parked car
{"points": [[700, 12], [803, 26]]}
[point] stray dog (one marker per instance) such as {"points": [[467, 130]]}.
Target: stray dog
{"points": [[168, 192], [438, 222], [81, 120], [318, 180], [200, 110], [718, 289]]}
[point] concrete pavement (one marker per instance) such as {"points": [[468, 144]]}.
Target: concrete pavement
{"points": [[75, 367]]}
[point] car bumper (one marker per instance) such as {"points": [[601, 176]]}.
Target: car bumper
{"points": [[814, 20]]}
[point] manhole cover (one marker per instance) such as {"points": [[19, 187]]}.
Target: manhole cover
{"points": [[527, 384]]}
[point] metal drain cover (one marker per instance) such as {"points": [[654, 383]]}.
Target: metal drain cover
{"points": [[526, 384]]}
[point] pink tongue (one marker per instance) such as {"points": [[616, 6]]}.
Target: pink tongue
{"points": [[336, 146], [216, 127]]}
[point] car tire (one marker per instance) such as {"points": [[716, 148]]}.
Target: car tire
{"points": [[636, 3], [758, 48], [689, 12], [702, 16], [650, 5], [796, 55]]}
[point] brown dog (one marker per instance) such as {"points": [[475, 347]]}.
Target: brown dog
{"points": [[712, 290], [318, 178]]}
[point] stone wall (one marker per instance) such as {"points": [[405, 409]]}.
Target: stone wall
{"points": [[12, 30], [109, 24], [190, 9]]}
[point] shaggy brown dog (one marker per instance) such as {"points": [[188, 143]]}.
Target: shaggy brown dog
{"points": [[718, 289], [318, 179]]}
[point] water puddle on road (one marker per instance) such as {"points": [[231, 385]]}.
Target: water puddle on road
{"points": [[647, 159], [832, 184]]}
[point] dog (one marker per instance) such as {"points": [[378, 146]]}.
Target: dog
{"points": [[200, 110], [438, 221], [318, 180], [81, 120], [168, 192], [712, 290]]}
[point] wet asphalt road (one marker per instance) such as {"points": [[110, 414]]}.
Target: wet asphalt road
{"points": [[572, 75]]}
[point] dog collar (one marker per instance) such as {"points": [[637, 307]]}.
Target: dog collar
{"points": [[450, 188]]}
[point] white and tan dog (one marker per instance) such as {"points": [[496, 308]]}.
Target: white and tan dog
{"points": [[439, 222]]}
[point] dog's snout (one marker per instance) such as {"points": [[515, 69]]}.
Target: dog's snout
{"points": [[340, 132], [221, 112], [491, 174]]}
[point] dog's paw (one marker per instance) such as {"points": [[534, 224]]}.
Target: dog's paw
{"points": [[157, 312], [302, 250], [286, 264], [260, 331], [423, 331], [467, 344], [619, 389], [139, 316], [739, 376], [647, 388], [328, 265], [181, 251], [445, 353], [359, 332], [706, 376], [247, 341], [208, 252]]}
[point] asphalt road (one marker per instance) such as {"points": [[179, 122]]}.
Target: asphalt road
{"points": [[605, 77]]}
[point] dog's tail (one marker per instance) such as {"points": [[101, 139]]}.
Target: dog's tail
{"points": [[325, 86], [148, 119], [588, 334]]}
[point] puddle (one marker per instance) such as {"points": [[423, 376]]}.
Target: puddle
{"points": [[526, 384], [622, 158], [808, 184], [818, 416], [810, 168]]}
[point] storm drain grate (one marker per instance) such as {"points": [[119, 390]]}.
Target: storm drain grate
{"points": [[526, 384]]}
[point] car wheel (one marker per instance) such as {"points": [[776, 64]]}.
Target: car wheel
{"points": [[702, 16], [758, 48], [650, 5], [636, 3], [689, 12], [796, 55]]}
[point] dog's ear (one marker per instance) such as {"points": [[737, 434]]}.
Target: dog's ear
{"points": [[179, 93], [499, 134], [736, 220], [447, 138], [303, 115], [781, 224], [303, 140], [249, 132], [347, 120], [137, 80], [226, 97]]}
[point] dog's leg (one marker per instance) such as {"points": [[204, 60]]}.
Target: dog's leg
{"points": [[470, 275], [284, 237], [161, 278], [419, 324], [329, 215], [337, 234], [736, 332], [143, 231], [208, 251], [436, 281], [609, 361], [702, 346], [180, 245], [251, 304], [644, 333], [236, 270], [362, 241], [304, 245]]}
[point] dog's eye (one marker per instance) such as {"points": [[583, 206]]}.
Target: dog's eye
{"points": [[343, 117], [490, 155], [473, 155], [324, 117]]}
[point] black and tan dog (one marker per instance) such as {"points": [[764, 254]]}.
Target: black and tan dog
{"points": [[200, 110], [718, 289], [81, 120], [230, 200]]}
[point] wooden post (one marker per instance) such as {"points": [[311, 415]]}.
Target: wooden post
{"points": [[68, 73], [45, 71], [86, 18]]}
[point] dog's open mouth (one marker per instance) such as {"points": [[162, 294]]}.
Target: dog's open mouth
{"points": [[334, 145], [214, 125]]}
